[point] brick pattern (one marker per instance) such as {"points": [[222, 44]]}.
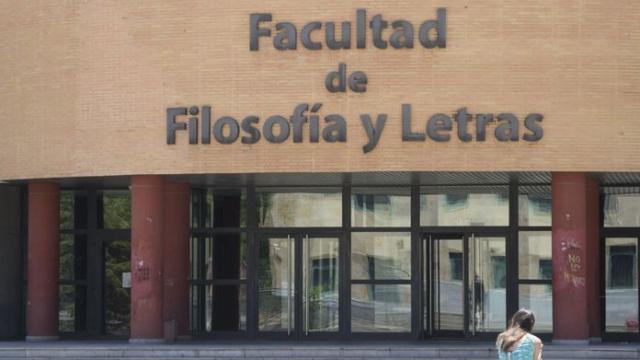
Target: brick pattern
{"points": [[85, 85]]}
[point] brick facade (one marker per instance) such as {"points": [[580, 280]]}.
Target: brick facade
{"points": [[86, 85]]}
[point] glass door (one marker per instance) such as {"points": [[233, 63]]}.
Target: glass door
{"points": [[487, 284], [446, 304], [465, 285], [621, 287], [298, 284]]}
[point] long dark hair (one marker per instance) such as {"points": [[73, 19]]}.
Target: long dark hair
{"points": [[520, 324]]}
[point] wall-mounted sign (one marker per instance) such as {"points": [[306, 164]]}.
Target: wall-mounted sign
{"points": [[311, 122], [304, 125], [431, 33]]}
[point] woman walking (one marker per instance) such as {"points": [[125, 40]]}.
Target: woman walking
{"points": [[517, 342]]}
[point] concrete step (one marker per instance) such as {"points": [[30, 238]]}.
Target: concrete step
{"points": [[326, 351]]}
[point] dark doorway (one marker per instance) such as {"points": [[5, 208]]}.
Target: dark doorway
{"points": [[94, 263]]}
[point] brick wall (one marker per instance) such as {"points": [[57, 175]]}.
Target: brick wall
{"points": [[85, 85]]}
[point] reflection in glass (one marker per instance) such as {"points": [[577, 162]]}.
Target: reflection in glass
{"points": [[378, 255], [538, 299], [67, 308], [73, 257], [275, 284], [226, 256], [380, 207], [116, 213], [73, 210], [66, 209], [448, 285], [380, 308], [196, 310], [487, 283], [226, 308], [534, 255], [300, 209], [464, 206], [622, 209], [227, 207], [320, 268], [194, 256], [117, 256], [621, 284], [66, 257], [534, 206]]}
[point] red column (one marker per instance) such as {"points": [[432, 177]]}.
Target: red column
{"points": [[575, 251], [147, 218], [43, 261], [176, 259]]}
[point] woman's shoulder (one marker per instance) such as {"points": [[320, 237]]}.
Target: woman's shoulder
{"points": [[534, 339]]}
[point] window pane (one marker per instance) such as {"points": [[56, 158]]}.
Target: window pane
{"points": [[622, 207], [66, 210], [621, 284], [380, 308], [229, 256], [448, 287], [380, 256], [73, 257], [488, 283], [226, 208], [464, 206], [229, 307], [196, 208], [117, 255], [380, 207], [534, 254], [72, 308], [276, 284], [538, 299], [196, 308], [67, 308], [300, 209], [73, 210], [116, 209], [534, 206]]}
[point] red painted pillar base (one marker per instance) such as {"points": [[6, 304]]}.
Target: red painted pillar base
{"points": [[43, 261], [176, 260], [575, 219], [147, 233]]}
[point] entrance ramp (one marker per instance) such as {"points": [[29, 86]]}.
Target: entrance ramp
{"points": [[72, 350]]}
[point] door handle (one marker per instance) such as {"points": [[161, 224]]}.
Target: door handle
{"points": [[430, 283], [473, 286], [306, 286], [288, 285]]}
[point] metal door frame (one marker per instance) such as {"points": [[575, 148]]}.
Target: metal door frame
{"points": [[298, 328], [426, 253]]}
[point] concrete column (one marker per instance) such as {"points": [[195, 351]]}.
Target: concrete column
{"points": [[575, 257], [176, 260], [43, 261], [147, 233]]}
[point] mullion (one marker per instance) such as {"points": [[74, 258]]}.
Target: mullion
{"points": [[220, 230], [381, 229], [534, 282], [202, 289], [381, 282], [72, 282]]}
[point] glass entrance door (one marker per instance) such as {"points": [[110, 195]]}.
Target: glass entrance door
{"points": [[298, 285], [621, 287], [464, 284]]}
